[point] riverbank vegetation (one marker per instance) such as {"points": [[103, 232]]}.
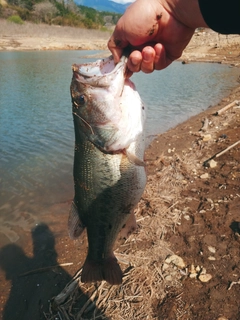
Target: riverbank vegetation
{"points": [[55, 12]]}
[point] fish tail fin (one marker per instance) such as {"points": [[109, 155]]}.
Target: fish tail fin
{"points": [[75, 225], [91, 271], [112, 272], [108, 270]]}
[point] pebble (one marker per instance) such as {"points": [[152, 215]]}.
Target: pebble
{"points": [[205, 277], [211, 249], [168, 278], [212, 163], [204, 176], [207, 137], [176, 260]]}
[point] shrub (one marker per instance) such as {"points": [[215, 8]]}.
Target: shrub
{"points": [[15, 19]]}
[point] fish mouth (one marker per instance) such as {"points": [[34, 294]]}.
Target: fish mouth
{"points": [[100, 73]]}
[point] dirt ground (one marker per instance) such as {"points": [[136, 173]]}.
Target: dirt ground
{"points": [[183, 262]]}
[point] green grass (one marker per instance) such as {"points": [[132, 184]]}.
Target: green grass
{"points": [[15, 19]]}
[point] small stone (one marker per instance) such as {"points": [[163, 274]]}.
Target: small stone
{"points": [[193, 275], [222, 318], [204, 176], [212, 163], [165, 266], [203, 271], [198, 269], [205, 277], [211, 249], [192, 269], [207, 137], [168, 278], [211, 258], [176, 260]]}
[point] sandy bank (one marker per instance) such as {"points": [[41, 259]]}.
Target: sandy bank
{"points": [[205, 46]]}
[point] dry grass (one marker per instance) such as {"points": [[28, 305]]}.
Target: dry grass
{"points": [[141, 257], [9, 29]]}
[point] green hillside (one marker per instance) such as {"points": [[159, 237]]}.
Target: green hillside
{"points": [[64, 13]]}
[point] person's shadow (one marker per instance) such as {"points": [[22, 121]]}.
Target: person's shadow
{"points": [[31, 292]]}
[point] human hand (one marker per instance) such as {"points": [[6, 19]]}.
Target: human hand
{"points": [[154, 32]]}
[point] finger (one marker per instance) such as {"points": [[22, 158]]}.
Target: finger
{"points": [[134, 61], [148, 57], [161, 60], [115, 50]]}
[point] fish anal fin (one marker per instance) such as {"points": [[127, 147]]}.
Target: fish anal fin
{"points": [[134, 159], [75, 225]]}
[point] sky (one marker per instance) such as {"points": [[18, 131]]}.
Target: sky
{"points": [[123, 1]]}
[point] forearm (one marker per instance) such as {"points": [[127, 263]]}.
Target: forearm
{"points": [[220, 15]]}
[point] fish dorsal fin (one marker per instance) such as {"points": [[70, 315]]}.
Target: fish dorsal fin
{"points": [[75, 225], [134, 159]]}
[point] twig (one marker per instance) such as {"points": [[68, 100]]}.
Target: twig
{"points": [[232, 283], [218, 113], [66, 292], [45, 269], [90, 300], [228, 148], [221, 153]]}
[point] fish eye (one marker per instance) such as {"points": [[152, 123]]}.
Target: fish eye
{"points": [[81, 99]]}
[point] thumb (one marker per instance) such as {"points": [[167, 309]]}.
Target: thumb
{"points": [[116, 46]]}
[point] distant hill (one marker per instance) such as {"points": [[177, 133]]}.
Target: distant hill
{"points": [[63, 12], [104, 5]]}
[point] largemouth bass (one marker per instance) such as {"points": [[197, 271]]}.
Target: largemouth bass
{"points": [[109, 173]]}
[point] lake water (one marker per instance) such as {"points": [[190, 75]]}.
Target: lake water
{"points": [[36, 127]]}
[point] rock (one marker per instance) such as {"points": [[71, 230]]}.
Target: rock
{"points": [[204, 176], [211, 258], [176, 260], [168, 278], [193, 275], [211, 249], [205, 277], [207, 137], [165, 266], [212, 163]]}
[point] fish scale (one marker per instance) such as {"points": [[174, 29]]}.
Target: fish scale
{"points": [[108, 183]]}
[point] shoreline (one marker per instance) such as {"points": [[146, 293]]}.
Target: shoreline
{"points": [[187, 209], [205, 46]]}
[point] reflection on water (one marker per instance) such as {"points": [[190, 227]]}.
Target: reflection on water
{"points": [[36, 128]]}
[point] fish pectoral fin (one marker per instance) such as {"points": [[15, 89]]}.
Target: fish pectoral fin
{"points": [[75, 225], [134, 159]]}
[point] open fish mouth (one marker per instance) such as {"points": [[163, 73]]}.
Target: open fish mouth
{"points": [[100, 73]]}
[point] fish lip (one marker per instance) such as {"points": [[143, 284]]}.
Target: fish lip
{"points": [[84, 74]]}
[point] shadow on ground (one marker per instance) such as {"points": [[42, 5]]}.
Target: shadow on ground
{"points": [[34, 280]]}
